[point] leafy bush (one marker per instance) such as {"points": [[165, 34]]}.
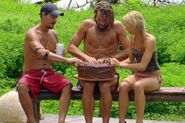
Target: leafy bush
{"points": [[168, 29], [7, 83], [12, 54], [173, 75]]}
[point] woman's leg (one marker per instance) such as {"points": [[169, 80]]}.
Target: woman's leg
{"points": [[141, 86], [124, 89]]}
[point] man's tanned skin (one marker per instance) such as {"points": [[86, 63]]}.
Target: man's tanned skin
{"points": [[101, 37]]}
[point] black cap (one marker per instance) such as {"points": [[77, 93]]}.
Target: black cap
{"points": [[52, 9]]}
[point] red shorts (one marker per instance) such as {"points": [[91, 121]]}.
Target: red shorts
{"points": [[48, 78]]}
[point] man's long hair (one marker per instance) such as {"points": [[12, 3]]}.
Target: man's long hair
{"points": [[106, 9]]}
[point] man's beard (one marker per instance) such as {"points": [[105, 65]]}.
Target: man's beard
{"points": [[51, 26], [102, 28]]}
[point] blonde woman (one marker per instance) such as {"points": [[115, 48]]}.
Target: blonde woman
{"points": [[143, 62]]}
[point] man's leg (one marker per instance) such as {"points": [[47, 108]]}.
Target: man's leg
{"points": [[88, 100], [64, 103], [26, 102], [106, 99]]}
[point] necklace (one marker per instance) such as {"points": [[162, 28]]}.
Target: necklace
{"points": [[45, 37], [45, 41]]}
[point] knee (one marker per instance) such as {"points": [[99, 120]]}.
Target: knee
{"points": [[138, 87], [124, 87], [104, 88], [22, 88], [67, 88], [88, 89]]}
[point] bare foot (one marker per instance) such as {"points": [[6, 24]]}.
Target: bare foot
{"points": [[122, 122], [31, 121], [61, 121]]}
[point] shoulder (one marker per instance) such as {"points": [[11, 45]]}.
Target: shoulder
{"points": [[88, 23], [32, 32], [118, 23], [119, 27], [150, 40], [52, 32]]}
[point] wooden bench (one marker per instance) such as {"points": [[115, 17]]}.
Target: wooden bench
{"points": [[170, 94]]}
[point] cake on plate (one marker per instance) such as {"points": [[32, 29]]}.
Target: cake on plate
{"points": [[96, 70]]}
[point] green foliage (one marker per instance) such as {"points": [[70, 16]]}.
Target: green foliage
{"points": [[4, 90], [165, 110], [11, 55], [60, 68], [7, 83], [173, 75], [168, 31], [167, 28], [70, 73], [122, 73]]}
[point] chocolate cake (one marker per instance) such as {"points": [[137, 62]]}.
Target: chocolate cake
{"points": [[97, 70]]}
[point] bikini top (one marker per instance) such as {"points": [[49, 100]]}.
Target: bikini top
{"points": [[138, 54]]}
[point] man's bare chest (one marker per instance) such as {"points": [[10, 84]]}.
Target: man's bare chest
{"points": [[48, 42], [101, 39]]}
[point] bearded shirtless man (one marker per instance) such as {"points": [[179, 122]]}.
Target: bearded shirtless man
{"points": [[39, 54], [101, 37]]}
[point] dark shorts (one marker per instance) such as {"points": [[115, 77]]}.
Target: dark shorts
{"points": [[47, 78]]}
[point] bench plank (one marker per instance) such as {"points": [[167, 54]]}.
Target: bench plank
{"points": [[174, 94]]}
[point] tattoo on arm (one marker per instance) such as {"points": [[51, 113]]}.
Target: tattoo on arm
{"points": [[46, 54]]}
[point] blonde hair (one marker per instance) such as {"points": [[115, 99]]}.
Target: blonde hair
{"points": [[136, 20]]}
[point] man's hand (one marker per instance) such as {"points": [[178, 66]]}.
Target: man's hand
{"points": [[73, 61], [90, 59]]}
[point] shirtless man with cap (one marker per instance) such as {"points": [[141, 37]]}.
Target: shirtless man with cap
{"points": [[39, 54]]}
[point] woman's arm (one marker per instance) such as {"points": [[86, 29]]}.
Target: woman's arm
{"points": [[149, 49]]}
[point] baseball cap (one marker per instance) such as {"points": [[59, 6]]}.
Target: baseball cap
{"points": [[52, 9]]}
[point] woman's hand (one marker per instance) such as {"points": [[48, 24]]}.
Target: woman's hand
{"points": [[124, 65], [115, 62]]}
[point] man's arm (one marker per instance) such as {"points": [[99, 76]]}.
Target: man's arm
{"points": [[77, 38], [40, 51], [123, 40]]}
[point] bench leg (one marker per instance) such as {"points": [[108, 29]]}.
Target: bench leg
{"points": [[36, 109]]}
